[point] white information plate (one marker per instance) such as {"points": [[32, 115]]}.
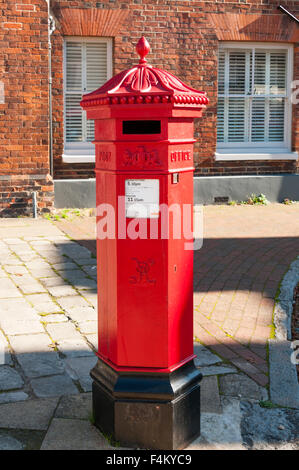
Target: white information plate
{"points": [[142, 198]]}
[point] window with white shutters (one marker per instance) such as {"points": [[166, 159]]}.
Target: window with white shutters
{"points": [[254, 109], [87, 66]]}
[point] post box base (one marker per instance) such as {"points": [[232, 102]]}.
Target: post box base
{"points": [[152, 411]]}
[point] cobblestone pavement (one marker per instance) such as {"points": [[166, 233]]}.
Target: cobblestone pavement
{"points": [[48, 326]]}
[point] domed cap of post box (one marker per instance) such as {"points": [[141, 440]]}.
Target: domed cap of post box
{"points": [[144, 84]]}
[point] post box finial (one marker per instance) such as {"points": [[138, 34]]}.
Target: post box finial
{"points": [[142, 49]]}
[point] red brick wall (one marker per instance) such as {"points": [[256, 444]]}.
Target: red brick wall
{"points": [[24, 137], [184, 37]]}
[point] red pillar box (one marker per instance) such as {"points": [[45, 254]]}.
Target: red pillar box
{"points": [[146, 388]]}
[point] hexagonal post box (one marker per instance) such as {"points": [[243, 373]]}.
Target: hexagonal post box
{"points": [[146, 390]]}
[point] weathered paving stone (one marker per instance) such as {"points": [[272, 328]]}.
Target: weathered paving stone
{"points": [[10, 379], [30, 414], [47, 307], [10, 260], [210, 399], [53, 281], [54, 318], [90, 270], [9, 443], [75, 406], [86, 285], [12, 397], [239, 385], [17, 310], [74, 348], [37, 243], [88, 262], [17, 270], [14, 241], [93, 340], [92, 298], [221, 431], [88, 327], [8, 289], [72, 301], [204, 356], [5, 356], [77, 435], [264, 428], [24, 279], [40, 364], [284, 389], [33, 288], [217, 370], [53, 386], [42, 273], [77, 252], [61, 291], [30, 343], [79, 368], [37, 299], [28, 256], [3, 274], [64, 266], [72, 275], [63, 331], [80, 314], [19, 327], [37, 263]]}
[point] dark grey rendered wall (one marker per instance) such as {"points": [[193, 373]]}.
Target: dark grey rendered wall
{"points": [[81, 193]]}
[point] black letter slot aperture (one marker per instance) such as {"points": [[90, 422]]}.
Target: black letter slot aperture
{"points": [[141, 127]]}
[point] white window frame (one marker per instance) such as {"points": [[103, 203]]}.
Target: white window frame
{"points": [[263, 151], [81, 152]]}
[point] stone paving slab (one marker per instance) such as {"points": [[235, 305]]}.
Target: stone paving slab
{"points": [[10, 379], [284, 387], [53, 386], [210, 399], [75, 407], [21, 327], [88, 327], [74, 348], [29, 344], [241, 386], [9, 443], [53, 318], [79, 369], [63, 331], [221, 432], [30, 414], [27, 227], [218, 370], [204, 356], [77, 435], [40, 364], [5, 355], [269, 429], [12, 397]]}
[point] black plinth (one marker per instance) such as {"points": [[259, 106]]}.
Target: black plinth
{"points": [[147, 410]]}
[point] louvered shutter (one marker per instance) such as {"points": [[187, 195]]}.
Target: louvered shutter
{"points": [[86, 70], [74, 85], [221, 101], [251, 96], [96, 75]]}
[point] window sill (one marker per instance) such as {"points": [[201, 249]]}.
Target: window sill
{"points": [[68, 158], [232, 155]]}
